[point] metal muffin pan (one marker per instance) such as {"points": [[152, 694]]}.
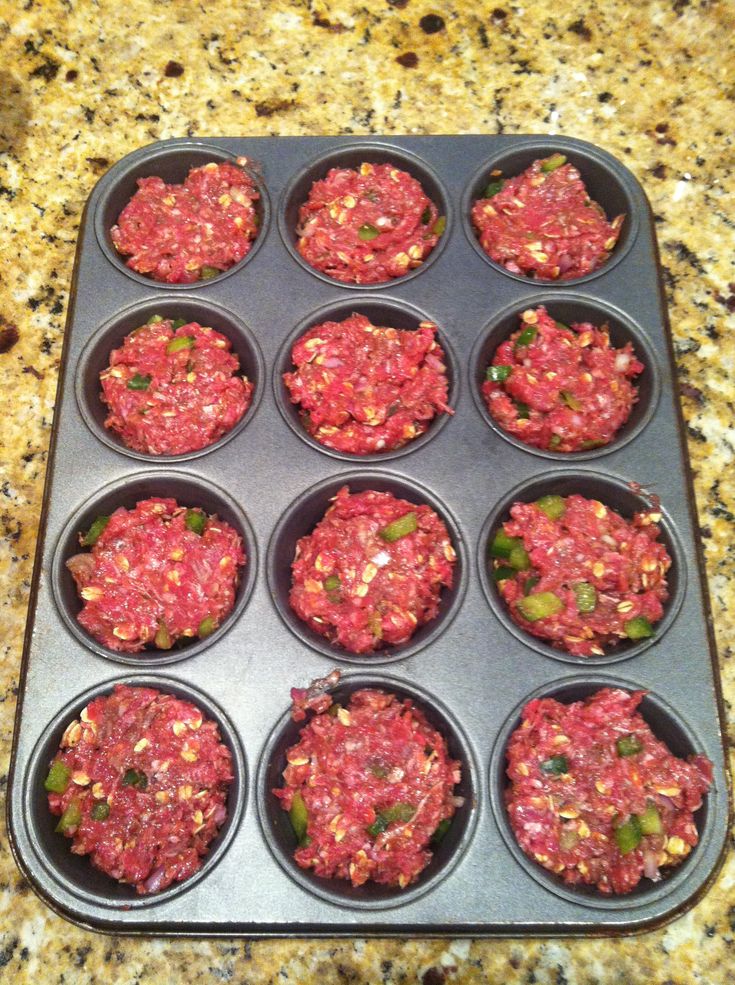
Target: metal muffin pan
{"points": [[471, 670]]}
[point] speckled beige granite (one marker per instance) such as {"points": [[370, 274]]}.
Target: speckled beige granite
{"points": [[81, 84]]}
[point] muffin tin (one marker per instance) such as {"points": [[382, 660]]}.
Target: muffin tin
{"points": [[472, 669]]}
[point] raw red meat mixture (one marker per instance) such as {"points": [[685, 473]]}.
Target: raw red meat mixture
{"points": [[361, 591], [166, 402], [571, 791], [620, 564], [367, 225], [543, 224], [376, 781], [362, 388], [567, 389], [179, 234], [151, 579], [146, 778]]}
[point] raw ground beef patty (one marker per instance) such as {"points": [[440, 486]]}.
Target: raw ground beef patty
{"points": [[561, 388], [371, 571], [542, 223], [140, 782], [574, 572], [595, 797], [179, 234], [155, 574], [171, 387], [367, 225], [362, 388], [368, 786]]}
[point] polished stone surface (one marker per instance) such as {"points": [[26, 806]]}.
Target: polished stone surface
{"points": [[82, 84]]}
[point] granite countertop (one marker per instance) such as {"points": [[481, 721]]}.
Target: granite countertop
{"points": [[82, 84]]}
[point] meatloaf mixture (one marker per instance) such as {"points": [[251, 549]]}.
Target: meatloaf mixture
{"points": [[179, 234], [367, 225], [156, 574], [543, 223], [561, 388], [172, 387], [371, 571], [140, 783], [362, 388], [369, 788], [574, 572], [595, 797]]}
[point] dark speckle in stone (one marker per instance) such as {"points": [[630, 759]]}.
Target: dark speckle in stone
{"points": [[434, 976], [431, 24], [698, 435], [691, 391], [47, 70], [271, 106], [604, 97], [498, 15], [7, 952], [728, 302], [71, 75], [659, 171], [579, 27], [98, 162], [482, 35], [400, 4], [8, 336], [682, 251], [328, 25], [409, 59], [82, 953], [173, 70], [561, 978]]}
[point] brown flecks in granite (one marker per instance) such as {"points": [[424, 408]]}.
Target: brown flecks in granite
{"points": [[579, 28], [431, 24], [173, 70], [271, 106], [99, 163], [8, 336], [729, 302], [336, 27], [409, 59], [434, 976], [669, 68], [13, 114]]}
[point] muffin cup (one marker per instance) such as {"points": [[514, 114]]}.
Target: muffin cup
{"points": [[301, 518], [279, 834], [353, 156], [75, 873], [187, 491], [571, 308], [96, 357], [618, 495], [667, 726], [608, 183], [381, 311], [172, 163]]}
